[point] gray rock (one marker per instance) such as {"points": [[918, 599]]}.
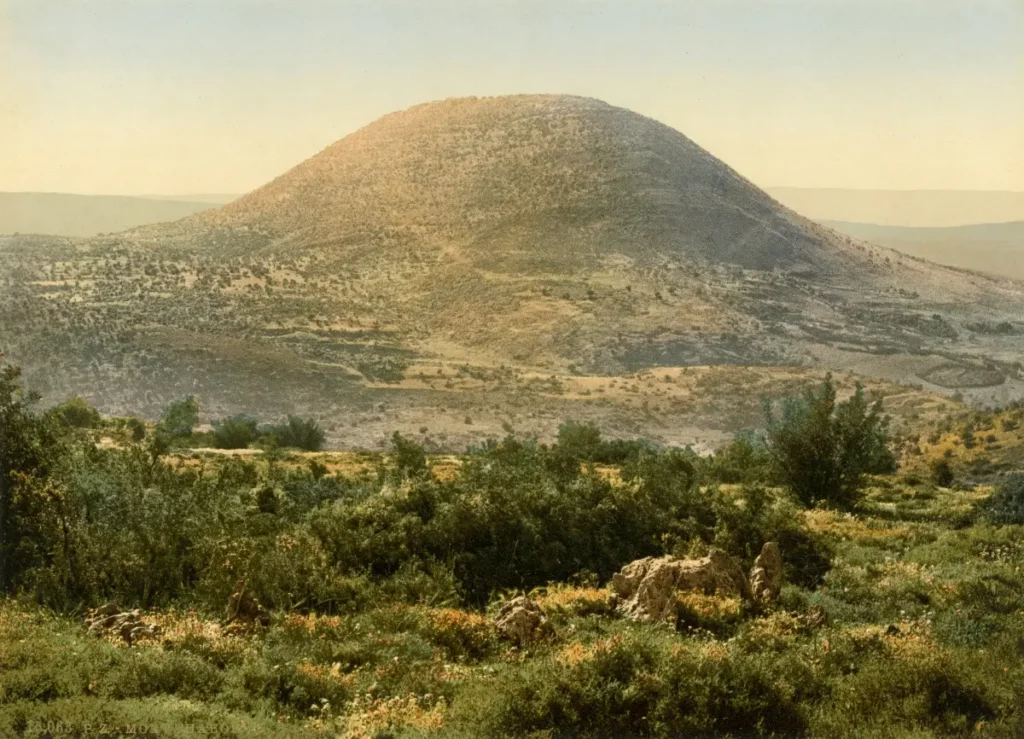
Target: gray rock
{"points": [[521, 620], [766, 575], [108, 619], [646, 590]]}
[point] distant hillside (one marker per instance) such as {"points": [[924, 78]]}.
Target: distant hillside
{"points": [[86, 215], [918, 208], [215, 198], [504, 263], [997, 248]]}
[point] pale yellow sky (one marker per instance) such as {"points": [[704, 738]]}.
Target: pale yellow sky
{"points": [[105, 96]]}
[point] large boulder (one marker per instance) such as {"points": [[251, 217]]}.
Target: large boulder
{"points": [[646, 590], [766, 575], [521, 620]]}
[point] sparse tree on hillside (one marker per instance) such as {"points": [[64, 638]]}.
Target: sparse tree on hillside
{"points": [[180, 417], [236, 432], [580, 441], [301, 433], [27, 445], [410, 459], [823, 450], [942, 473], [78, 414]]}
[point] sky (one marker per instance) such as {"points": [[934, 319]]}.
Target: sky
{"points": [[220, 96]]}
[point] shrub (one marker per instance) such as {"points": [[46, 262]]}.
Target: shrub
{"points": [[236, 432], [633, 685], [301, 433], [1006, 504], [136, 429], [823, 450], [29, 450], [942, 473], [968, 436], [581, 441], [409, 457], [77, 413], [744, 460], [180, 417]]}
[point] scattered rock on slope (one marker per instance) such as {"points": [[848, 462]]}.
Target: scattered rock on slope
{"points": [[109, 619], [522, 621], [766, 575], [646, 589]]}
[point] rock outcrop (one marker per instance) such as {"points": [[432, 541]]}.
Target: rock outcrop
{"points": [[109, 619], [766, 575], [521, 620], [645, 590], [243, 608]]}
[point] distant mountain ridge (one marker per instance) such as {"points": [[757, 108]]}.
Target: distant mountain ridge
{"points": [[1011, 233], [913, 208], [62, 214], [995, 248]]}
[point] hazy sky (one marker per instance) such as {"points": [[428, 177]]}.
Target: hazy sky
{"points": [[154, 96]]}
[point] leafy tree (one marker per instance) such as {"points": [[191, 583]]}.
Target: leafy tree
{"points": [[77, 413], [137, 429], [236, 432], [746, 459], [822, 450], [28, 448], [968, 436], [942, 473], [410, 459], [180, 417], [580, 441]]}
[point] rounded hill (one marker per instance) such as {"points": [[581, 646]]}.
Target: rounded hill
{"points": [[562, 178]]}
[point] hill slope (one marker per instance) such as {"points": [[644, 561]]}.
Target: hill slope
{"points": [[488, 257], [571, 178]]}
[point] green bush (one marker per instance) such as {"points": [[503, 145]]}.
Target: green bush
{"points": [[942, 473], [638, 686], [237, 432], [77, 413], [136, 429], [582, 442], [29, 507], [745, 459], [300, 433], [823, 450], [409, 457], [180, 417], [1006, 504]]}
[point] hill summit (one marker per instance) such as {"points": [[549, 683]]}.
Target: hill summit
{"points": [[565, 177]]}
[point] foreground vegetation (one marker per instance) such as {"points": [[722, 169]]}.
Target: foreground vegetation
{"points": [[902, 612]]}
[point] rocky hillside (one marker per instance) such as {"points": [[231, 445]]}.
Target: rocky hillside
{"points": [[569, 179], [483, 255]]}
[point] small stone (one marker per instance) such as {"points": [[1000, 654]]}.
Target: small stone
{"points": [[522, 621]]}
